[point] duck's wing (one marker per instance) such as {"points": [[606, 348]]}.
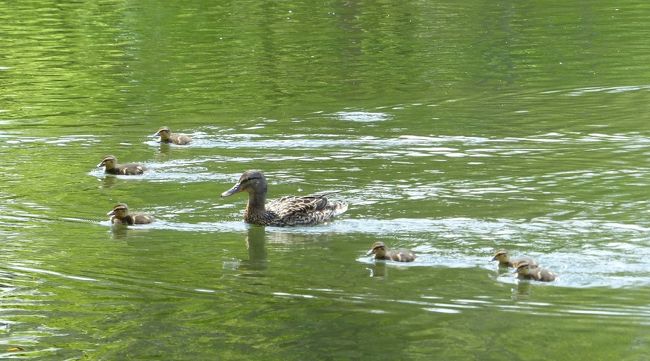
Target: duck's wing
{"points": [[131, 169], [313, 208]]}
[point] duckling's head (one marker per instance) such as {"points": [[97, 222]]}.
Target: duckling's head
{"points": [[119, 211], [378, 249], [163, 133], [252, 181], [501, 256], [109, 162], [523, 268]]}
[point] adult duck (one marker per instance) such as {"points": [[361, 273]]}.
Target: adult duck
{"points": [[120, 215], [285, 211], [166, 136], [111, 167]]}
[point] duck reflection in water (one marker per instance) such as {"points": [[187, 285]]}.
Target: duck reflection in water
{"points": [[378, 270], [521, 291], [108, 182], [256, 245]]}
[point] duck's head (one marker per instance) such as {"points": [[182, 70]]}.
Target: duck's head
{"points": [[501, 256], [252, 181], [378, 249], [163, 133], [109, 162], [523, 268], [119, 211]]}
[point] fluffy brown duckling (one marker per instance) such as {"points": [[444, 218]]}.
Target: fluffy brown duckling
{"points": [[285, 211], [382, 252], [111, 167], [120, 215], [505, 260], [528, 272], [166, 136]]}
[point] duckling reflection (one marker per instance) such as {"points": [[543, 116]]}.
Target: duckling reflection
{"points": [[165, 149], [521, 291], [505, 260], [119, 231], [256, 245], [108, 182], [378, 270]]}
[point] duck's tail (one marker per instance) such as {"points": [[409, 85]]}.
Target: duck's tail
{"points": [[338, 208]]}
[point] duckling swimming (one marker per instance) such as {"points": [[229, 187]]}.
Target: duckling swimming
{"points": [[166, 136], [120, 215], [528, 272], [285, 211], [111, 167], [380, 251], [505, 260]]}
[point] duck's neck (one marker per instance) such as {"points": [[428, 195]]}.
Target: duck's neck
{"points": [[256, 201]]}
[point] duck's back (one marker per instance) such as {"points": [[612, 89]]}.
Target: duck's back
{"points": [[180, 139], [142, 219], [127, 169], [305, 210], [516, 261], [542, 274], [401, 255]]}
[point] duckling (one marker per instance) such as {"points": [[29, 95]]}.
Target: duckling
{"points": [[166, 136], [111, 167], [380, 251], [505, 261], [528, 272], [285, 211], [120, 215]]}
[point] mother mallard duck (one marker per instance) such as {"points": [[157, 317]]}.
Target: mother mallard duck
{"points": [[285, 211]]}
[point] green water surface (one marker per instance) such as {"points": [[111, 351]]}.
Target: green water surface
{"points": [[453, 128]]}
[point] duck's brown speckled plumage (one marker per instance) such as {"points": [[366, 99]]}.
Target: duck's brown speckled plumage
{"points": [[382, 252], [505, 260], [110, 165], [166, 136], [528, 272], [285, 211], [120, 215]]}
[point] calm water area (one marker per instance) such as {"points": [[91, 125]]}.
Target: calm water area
{"points": [[453, 128]]}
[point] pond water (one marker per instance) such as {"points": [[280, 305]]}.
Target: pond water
{"points": [[453, 129]]}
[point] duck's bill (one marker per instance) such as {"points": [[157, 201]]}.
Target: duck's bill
{"points": [[369, 252], [111, 213], [156, 134], [101, 164], [235, 189], [494, 258]]}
